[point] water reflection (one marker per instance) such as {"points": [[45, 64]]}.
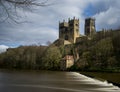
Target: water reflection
{"points": [[46, 81]]}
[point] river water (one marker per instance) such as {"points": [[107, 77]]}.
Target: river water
{"points": [[49, 81]]}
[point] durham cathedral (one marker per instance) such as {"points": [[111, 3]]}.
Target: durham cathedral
{"points": [[69, 31], [69, 34]]}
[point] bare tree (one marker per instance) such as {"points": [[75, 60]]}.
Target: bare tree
{"points": [[8, 8]]}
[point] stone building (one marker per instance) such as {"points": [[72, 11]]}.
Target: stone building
{"points": [[66, 62], [69, 31], [90, 27], [69, 34]]}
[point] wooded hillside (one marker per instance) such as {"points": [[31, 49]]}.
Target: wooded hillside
{"points": [[100, 53]]}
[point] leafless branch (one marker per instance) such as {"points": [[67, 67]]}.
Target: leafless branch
{"points": [[10, 8], [28, 2]]}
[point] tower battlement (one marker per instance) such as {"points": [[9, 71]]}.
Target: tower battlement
{"points": [[69, 30], [90, 26]]}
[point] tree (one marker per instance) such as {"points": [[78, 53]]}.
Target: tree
{"points": [[51, 58], [2, 56], [40, 50], [9, 8], [23, 57], [112, 62]]}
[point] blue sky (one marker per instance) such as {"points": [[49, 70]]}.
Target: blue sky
{"points": [[42, 22]]}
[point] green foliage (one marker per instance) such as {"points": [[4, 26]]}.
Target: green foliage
{"points": [[116, 45], [31, 57], [100, 53], [112, 62], [24, 57], [51, 58]]}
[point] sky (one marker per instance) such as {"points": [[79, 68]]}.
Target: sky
{"points": [[41, 23]]}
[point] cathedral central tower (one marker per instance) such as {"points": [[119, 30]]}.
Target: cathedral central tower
{"points": [[69, 30]]}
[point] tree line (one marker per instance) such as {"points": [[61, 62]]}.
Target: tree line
{"points": [[31, 57], [101, 53]]}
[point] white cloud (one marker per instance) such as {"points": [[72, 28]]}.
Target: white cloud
{"points": [[3, 48], [43, 22], [108, 19]]}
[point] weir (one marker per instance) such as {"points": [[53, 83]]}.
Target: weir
{"points": [[48, 81]]}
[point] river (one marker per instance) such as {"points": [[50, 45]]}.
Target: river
{"points": [[51, 81]]}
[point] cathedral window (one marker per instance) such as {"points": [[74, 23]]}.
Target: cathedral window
{"points": [[66, 37], [77, 25]]}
